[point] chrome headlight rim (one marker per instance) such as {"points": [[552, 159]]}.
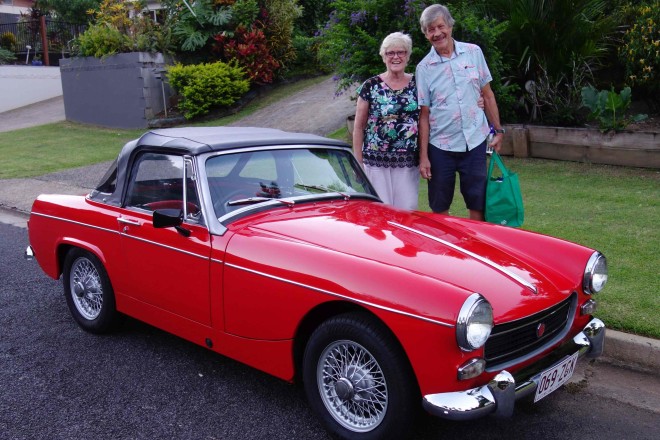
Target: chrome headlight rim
{"points": [[473, 303], [596, 268]]}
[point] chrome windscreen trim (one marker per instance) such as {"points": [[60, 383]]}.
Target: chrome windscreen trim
{"points": [[484, 260], [87, 225], [339, 295]]}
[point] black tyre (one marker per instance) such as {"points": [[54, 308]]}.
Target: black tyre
{"points": [[88, 292], [358, 379]]}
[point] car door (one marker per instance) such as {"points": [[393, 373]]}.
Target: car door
{"points": [[165, 269]]}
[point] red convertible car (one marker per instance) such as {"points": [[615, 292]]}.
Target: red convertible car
{"points": [[273, 248]]}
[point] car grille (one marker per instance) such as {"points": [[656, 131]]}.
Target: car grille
{"points": [[515, 340]]}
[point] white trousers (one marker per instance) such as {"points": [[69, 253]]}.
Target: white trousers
{"points": [[395, 186]]}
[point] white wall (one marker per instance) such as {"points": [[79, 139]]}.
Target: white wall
{"points": [[24, 85]]}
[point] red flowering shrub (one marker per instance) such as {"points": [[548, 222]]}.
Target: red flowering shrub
{"points": [[249, 49]]}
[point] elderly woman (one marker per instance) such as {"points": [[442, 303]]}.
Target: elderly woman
{"points": [[385, 133]]}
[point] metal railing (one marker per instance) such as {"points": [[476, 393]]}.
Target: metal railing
{"points": [[59, 35]]}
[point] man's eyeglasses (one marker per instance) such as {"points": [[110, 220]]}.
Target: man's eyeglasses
{"points": [[397, 53]]}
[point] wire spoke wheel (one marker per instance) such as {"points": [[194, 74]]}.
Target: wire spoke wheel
{"points": [[352, 386], [86, 288], [88, 292]]}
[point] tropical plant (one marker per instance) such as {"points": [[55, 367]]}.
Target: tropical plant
{"points": [[314, 15], [6, 56], [558, 100], [208, 85], [610, 108], [195, 23], [554, 34], [102, 40], [117, 30], [250, 50], [278, 29], [640, 51], [8, 41]]}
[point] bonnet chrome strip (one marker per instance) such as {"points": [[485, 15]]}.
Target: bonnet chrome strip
{"points": [[484, 260]]}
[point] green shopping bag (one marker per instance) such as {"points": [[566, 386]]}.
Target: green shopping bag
{"points": [[504, 204]]}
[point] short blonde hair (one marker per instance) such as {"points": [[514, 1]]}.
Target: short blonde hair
{"points": [[396, 39]]}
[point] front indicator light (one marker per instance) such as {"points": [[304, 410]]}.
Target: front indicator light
{"points": [[472, 368], [588, 308]]}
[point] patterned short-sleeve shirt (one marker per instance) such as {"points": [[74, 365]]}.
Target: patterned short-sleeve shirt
{"points": [[390, 138], [451, 89]]}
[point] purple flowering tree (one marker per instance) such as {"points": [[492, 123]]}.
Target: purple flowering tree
{"points": [[350, 40]]}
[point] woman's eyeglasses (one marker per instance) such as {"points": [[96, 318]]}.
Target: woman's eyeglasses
{"points": [[396, 53]]}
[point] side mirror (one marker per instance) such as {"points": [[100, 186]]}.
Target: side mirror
{"points": [[166, 218]]}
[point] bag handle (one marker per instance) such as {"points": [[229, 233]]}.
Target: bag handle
{"points": [[495, 159]]}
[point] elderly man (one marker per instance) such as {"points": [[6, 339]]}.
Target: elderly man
{"points": [[453, 130]]}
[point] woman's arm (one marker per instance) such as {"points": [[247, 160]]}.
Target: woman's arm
{"points": [[361, 113], [423, 140]]}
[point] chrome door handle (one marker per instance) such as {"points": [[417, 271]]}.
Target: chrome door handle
{"points": [[128, 221]]}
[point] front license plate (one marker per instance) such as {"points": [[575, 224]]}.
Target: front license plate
{"points": [[554, 377]]}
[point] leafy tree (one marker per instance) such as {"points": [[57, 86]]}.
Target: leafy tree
{"points": [[351, 39], [72, 11]]}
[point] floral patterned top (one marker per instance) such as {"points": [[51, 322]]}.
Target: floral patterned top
{"points": [[390, 137]]}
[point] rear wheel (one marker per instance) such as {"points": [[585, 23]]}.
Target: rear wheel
{"points": [[358, 380], [88, 292]]}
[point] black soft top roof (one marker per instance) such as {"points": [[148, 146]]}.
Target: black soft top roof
{"points": [[194, 141], [197, 140]]}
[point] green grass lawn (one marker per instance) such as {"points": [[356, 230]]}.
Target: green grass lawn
{"points": [[612, 209]]}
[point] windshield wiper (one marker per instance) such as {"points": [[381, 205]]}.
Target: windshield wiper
{"points": [[253, 200], [323, 189]]}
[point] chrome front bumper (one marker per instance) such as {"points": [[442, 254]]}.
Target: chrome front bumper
{"points": [[499, 396]]}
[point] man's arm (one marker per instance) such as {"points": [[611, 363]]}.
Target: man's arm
{"points": [[493, 115]]}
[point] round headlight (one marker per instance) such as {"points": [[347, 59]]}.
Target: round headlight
{"points": [[595, 274], [475, 321]]}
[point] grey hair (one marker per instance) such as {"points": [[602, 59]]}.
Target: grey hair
{"points": [[432, 13], [396, 39]]}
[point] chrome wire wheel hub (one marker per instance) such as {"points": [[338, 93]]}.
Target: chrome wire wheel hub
{"points": [[352, 386], [86, 290]]}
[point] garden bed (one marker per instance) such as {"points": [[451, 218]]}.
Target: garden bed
{"points": [[634, 147]]}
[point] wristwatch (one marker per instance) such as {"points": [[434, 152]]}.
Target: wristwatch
{"points": [[500, 130]]}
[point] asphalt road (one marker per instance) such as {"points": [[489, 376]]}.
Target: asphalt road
{"points": [[58, 382]]}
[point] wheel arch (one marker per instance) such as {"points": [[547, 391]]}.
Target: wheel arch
{"points": [[65, 246], [321, 313]]}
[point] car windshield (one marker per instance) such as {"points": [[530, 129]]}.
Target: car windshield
{"points": [[252, 177]]}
